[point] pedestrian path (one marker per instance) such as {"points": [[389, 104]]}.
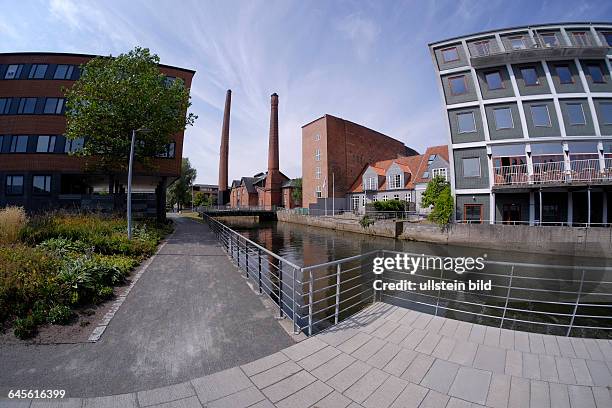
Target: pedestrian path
{"points": [[387, 356]]}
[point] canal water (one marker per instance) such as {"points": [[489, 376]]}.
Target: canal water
{"points": [[543, 296]]}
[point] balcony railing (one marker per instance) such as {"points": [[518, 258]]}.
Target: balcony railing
{"points": [[580, 171]]}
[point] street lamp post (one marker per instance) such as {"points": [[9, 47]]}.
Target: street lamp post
{"points": [[129, 192]]}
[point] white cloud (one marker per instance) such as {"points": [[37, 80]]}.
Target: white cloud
{"points": [[362, 32]]}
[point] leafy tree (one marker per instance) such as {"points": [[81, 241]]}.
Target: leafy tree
{"points": [[202, 200], [115, 96], [433, 190], [296, 194], [438, 194], [179, 193]]}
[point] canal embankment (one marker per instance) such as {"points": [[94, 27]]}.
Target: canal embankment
{"points": [[568, 241]]}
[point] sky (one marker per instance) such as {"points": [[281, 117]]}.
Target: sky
{"points": [[364, 61]]}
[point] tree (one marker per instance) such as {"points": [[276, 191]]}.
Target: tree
{"points": [[115, 96], [179, 193], [296, 194], [433, 190], [438, 194], [202, 200]]}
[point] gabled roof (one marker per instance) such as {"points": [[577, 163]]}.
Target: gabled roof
{"points": [[439, 151]]}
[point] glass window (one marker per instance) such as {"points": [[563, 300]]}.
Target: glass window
{"points": [[540, 116], [41, 184], [457, 85], [494, 80], [19, 144], [441, 172], [450, 54], [550, 40], [54, 106], [395, 181], [74, 145], [431, 158], [5, 106], [564, 74], [425, 175], [38, 71], [45, 144], [318, 173], [471, 167], [318, 192], [63, 72], [596, 73], [580, 39], [517, 43], [503, 118], [26, 106], [530, 76], [466, 123], [318, 155], [472, 213], [608, 37], [606, 112], [13, 71], [14, 185], [317, 137], [481, 48], [575, 114]]}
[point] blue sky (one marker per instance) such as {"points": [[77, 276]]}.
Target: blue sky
{"points": [[365, 61]]}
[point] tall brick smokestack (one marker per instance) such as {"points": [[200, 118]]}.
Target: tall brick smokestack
{"points": [[272, 192], [223, 196]]}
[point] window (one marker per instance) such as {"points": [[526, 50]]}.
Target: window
{"points": [[457, 85], [384, 198], [19, 144], [442, 172], [170, 80], [606, 112], [317, 155], [466, 123], [45, 144], [431, 158], [408, 197], [503, 118], [318, 192], [54, 106], [576, 114], [540, 116], [530, 76], [5, 106], [38, 71], [608, 37], [26, 106], [481, 48], [426, 174], [13, 71], [168, 152], [14, 185], [472, 213], [549, 40], [74, 145], [371, 183], [517, 43], [450, 54], [317, 137], [580, 39], [41, 184], [564, 74], [471, 167], [63, 72], [396, 197], [395, 181], [596, 73], [318, 173], [494, 80]]}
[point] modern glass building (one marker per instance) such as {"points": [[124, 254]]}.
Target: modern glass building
{"points": [[529, 114]]}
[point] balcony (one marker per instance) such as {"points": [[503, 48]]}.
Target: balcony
{"points": [[488, 53], [553, 174]]}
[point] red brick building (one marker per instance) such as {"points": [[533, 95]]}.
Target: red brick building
{"points": [[338, 147], [36, 171], [251, 191]]}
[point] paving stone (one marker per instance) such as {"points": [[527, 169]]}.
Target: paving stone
{"points": [[384, 396], [581, 397], [603, 399], [191, 402], [399, 334], [409, 318], [418, 368], [499, 391], [263, 404], [49, 403], [422, 321], [444, 348], [531, 366], [165, 394], [333, 400], [536, 343], [400, 362], [521, 342], [354, 343], [264, 364], [412, 396], [492, 335], [369, 349], [540, 395], [579, 348], [463, 331], [606, 349], [600, 375], [565, 370], [307, 396], [565, 347], [353, 405], [320, 357], [464, 353], [288, 386], [349, 376], [559, 397], [397, 314], [440, 376], [336, 336], [490, 358], [551, 346], [241, 399], [435, 324], [112, 401], [470, 384], [13, 403], [413, 339], [221, 384], [428, 344], [366, 385], [434, 399], [326, 371], [593, 349], [274, 374], [519, 393], [457, 403], [548, 368], [449, 327], [581, 371], [477, 334], [372, 326], [383, 356], [304, 348], [385, 330]]}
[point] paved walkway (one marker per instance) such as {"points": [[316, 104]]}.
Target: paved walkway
{"points": [[190, 314], [391, 357]]}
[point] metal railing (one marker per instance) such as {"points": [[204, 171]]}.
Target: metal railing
{"points": [[587, 170], [554, 299]]}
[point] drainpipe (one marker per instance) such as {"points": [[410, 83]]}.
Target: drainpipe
{"points": [[588, 206], [540, 206]]}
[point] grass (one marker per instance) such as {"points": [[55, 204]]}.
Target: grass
{"points": [[52, 264]]}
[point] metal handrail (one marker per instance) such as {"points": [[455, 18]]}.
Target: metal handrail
{"points": [[314, 297]]}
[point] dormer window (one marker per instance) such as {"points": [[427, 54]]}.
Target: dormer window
{"points": [[370, 183], [394, 181]]}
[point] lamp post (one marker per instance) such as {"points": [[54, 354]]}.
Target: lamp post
{"points": [[129, 192]]}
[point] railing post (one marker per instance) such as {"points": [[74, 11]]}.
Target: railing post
{"points": [[507, 297], [310, 296], [439, 291], [569, 329], [295, 326], [338, 270], [259, 269], [246, 257], [280, 289]]}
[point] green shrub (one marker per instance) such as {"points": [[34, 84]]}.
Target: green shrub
{"points": [[105, 292], [391, 205], [63, 246], [24, 328], [366, 221], [60, 314], [12, 221]]}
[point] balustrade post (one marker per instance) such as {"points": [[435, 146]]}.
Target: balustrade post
{"points": [[259, 269], [569, 328], [310, 299], [507, 297], [338, 270], [280, 288], [293, 314], [246, 257]]}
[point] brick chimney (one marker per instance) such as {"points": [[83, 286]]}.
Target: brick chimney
{"points": [[272, 192], [223, 196]]}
